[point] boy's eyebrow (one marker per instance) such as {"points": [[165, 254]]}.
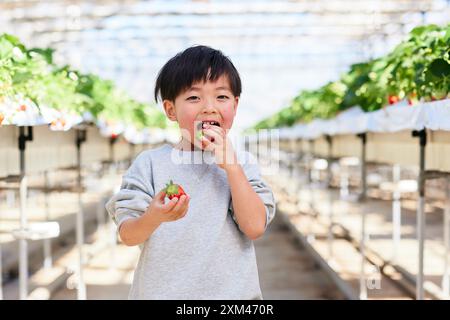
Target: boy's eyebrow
{"points": [[223, 88], [194, 88]]}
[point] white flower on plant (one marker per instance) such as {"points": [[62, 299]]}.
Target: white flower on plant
{"points": [[18, 54], [62, 120], [23, 111], [73, 76], [110, 128], [88, 116]]}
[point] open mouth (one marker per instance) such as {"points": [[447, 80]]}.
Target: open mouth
{"points": [[212, 123], [201, 125]]}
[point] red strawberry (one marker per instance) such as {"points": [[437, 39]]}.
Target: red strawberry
{"points": [[174, 190], [23, 107], [393, 99], [412, 99]]}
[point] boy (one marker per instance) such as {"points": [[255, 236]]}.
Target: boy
{"points": [[200, 245]]}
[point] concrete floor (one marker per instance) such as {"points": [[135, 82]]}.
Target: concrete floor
{"points": [[286, 270]]}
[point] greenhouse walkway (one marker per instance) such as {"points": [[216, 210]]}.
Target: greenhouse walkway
{"points": [[286, 271]]}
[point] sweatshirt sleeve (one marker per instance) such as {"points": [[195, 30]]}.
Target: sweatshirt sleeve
{"points": [[136, 191], [251, 169]]}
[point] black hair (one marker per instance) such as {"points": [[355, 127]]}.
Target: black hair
{"points": [[197, 63]]}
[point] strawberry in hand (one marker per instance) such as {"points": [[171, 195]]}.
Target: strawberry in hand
{"points": [[174, 190]]}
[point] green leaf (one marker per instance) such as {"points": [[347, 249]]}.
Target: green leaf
{"points": [[11, 39], [46, 53], [20, 77], [440, 68]]}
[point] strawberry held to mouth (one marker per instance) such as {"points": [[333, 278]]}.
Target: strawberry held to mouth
{"points": [[202, 125], [174, 190]]}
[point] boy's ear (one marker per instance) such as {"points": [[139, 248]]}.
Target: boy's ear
{"points": [[169, 108]]}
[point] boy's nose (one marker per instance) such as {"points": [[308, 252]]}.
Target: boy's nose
{"points": [[209, 108]]}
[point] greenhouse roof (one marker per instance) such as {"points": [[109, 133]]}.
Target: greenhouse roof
{"points": [[279, 47]]}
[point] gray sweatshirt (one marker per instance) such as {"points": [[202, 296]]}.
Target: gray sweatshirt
{"points": [[203, 255]]}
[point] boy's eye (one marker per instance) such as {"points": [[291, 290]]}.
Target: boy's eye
{"points": [[223, 97], [192, 98]]}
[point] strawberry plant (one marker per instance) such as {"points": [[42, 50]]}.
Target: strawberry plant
{"points": [[418, 69], [420, 66], [31, 73]]}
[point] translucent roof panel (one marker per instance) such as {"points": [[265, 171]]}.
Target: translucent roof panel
{"points": [[279, 47]]}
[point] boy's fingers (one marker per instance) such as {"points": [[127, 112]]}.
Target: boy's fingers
{"points": [[181, 215], [218, 137], [177, 214], [169, 205], [209, 146], [221, 132], [160, 196], [184, 207], [177, 209], [183, 211]]}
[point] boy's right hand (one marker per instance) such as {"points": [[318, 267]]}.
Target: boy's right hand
{"points": [[171, 210]]}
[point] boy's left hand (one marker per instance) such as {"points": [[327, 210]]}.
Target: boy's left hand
{"points": [[221, 146]]}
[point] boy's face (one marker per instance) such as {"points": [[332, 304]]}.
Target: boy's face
{"points": [[203, 101]]}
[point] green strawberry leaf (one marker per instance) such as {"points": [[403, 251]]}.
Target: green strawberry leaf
{"points": [[440, 68]]}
